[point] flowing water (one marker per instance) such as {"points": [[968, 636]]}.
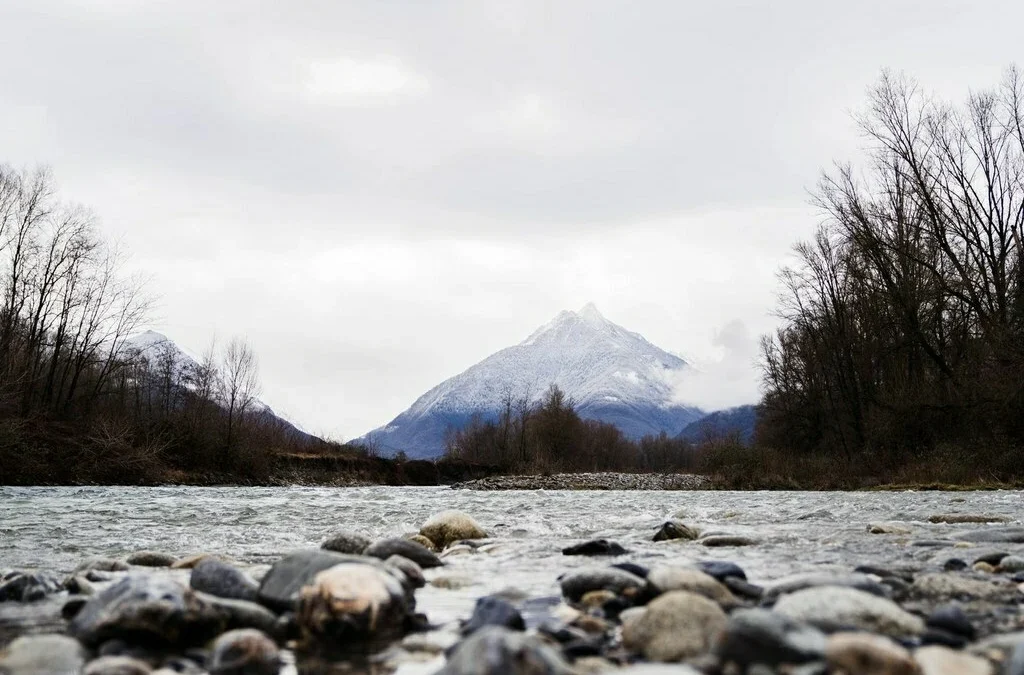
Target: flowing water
{"points": [[56, 528]]}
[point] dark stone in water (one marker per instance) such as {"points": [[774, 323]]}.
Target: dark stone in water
{"points": [[499, 651], [493, 611], [151, 559], [675, 529], [244, 652], [937, 636], [243, 614], [763, 636], [633, 568], [215, 577], [28, 586], [146, 609], [743, 588], [102, 565], [595, 547], [954, 565], [279, 589], [720, 569], [952, 619], [578, 582], [418, 553], [344, 541], [993, 558], [73, 606]]}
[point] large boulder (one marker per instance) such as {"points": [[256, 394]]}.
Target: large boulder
{"points": [[836, 607], [352, 604], [279, 588], [215, 577], [675, 626], [450, 526], [146, 608]]}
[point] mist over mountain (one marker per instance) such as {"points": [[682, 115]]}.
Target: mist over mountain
{"points": [[611, 374]]}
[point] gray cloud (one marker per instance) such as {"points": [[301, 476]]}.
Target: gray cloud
{"points": [[380, 194]]}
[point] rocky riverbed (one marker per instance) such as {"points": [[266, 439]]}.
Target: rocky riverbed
{"points": [[588, 481], [383, 580]]}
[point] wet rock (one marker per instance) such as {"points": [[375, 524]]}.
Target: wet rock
{"points": [[244, 614], [79, 585], [493, 611], [954, 565], [874, 654], [1011, 564], [937, 585], [937, 660], [743, 589], [214, 577], [352, 603], [799, 582], [574, 584], [836, 608], [499, 651], [675, 626], [763, 636], [147, 608], [727, 540], [28, 586], [419, 554], [279, 588], [1014, 535], [151, 559], [117, 665], [721, 569], [665, 578], [423, 541], [42, 655], [450, 526], [190, 561], [931, 543], [675, 529], [962, 518], [412, 571], [595, 599], [632, 568], [952, 619], [991, 557], [70, 609], [244, 652], [346, 541], [102, 565], [595, 547], [887, 528], [983, 567]]}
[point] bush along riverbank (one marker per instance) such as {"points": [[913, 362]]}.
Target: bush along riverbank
{"points": [[352, 604]]}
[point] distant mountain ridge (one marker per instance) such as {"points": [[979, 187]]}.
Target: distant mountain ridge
{"points": [[155, 347], [738, 421], [610, 373]]}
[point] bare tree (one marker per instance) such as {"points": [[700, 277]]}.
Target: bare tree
{"points": [[240, 384]]}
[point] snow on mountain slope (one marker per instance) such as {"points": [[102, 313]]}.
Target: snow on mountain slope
{"points": [[155, 347], [611, 374]]}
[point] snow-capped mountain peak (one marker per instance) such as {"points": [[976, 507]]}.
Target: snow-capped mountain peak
{"points": [[610, 373]]}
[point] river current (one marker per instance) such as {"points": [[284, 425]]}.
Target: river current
{"points": [[56, 528]]}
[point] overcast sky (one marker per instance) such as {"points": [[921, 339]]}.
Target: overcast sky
{"points": [[380, 194]]}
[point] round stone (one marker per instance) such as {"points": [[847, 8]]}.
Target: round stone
{"points": [[676, 625], [837, 607], [244, 652], [451, 526], [863, 653]]}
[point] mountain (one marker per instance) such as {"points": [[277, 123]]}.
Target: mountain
{"points": [[723, 423], [611, 374], [163, 353]]}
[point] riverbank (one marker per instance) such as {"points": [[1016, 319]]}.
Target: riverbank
{"points": [[589, 481]]}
